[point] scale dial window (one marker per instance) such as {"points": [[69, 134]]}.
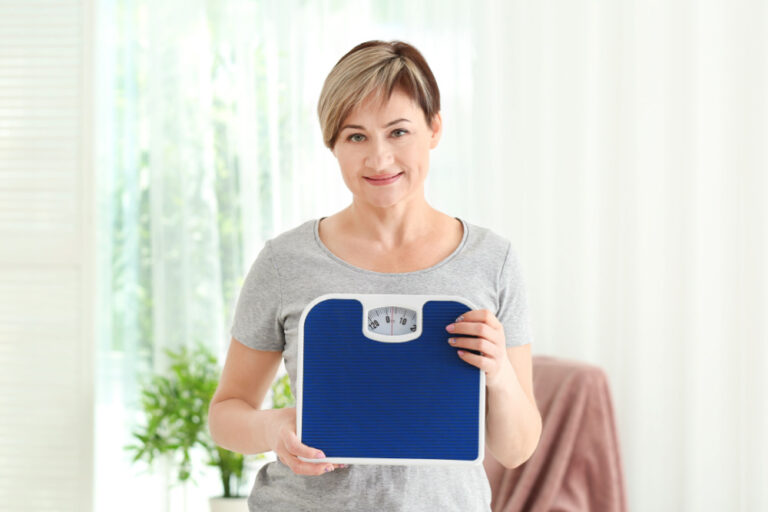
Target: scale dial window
{"points": [[392, 321]]}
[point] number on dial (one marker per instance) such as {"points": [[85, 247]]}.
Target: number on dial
{"points": [[392, 320]]}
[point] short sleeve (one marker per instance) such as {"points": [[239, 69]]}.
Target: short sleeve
{"points": [[513, 303], [256, 322]]}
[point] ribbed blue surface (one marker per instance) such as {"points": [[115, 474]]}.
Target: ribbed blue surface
{"points": [[370, 399]]}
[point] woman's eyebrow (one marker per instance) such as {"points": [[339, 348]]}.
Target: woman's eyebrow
{"points": [[358, 127]]}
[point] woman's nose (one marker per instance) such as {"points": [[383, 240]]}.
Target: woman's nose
{"points": [[379, 155]]}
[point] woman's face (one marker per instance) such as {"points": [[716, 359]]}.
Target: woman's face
{"points": [[391, 140]]}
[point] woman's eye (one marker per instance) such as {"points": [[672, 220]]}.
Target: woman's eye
{"points": [[354, 136]]}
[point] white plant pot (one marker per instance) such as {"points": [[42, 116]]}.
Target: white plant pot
{"points": [[229, 504]]}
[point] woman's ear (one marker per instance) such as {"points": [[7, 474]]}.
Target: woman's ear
{"points": [[437, 130]]}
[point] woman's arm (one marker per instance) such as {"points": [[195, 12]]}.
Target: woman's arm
{"points": [[234, 416], [513, 422], [237, 422]]}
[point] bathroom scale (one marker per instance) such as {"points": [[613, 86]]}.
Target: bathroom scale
{"points": [[378, 382]]}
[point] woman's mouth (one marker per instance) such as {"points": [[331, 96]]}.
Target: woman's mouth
{"points": [[385, 180]]}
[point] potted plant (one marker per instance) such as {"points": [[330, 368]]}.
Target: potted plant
{"points": [[176, 409]]}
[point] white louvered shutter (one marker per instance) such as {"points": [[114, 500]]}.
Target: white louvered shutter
{"points": [[46, 217]]}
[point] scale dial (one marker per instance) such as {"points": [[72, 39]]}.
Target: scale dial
{"points": [[392, 321]]}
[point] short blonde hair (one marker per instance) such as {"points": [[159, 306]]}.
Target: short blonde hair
{"points": [[375, 67]]}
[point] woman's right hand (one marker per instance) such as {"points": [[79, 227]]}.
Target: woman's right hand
{"points": [[285, 443]]}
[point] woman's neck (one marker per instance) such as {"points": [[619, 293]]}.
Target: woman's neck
{"points": [[390, 227]]}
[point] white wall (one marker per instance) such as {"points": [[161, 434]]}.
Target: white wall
{"points": [[626, 143], [46, 233]]}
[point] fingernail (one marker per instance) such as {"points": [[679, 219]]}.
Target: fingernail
{"points": [[450, 327], [319, 455], [328, 468], [460, 318], [451, 340]]}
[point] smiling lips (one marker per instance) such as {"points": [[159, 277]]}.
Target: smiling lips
{"points": [[383, 181]]}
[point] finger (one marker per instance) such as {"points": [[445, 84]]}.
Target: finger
{"points": [[301, 467], [297, 448], [480, 315], [484, 363], [472, 328], [479, 344]]}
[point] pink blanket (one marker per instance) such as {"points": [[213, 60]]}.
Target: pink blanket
{"points": [[577, 464]]}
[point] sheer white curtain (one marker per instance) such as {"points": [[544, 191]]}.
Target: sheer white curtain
{"points": [[631, 150], [620, 145], [208, 144]]}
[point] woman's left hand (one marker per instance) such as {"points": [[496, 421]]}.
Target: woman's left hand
{"points": [[490, 342]]}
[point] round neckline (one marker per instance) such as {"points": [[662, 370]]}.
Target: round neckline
{"points": [[456, 251]]}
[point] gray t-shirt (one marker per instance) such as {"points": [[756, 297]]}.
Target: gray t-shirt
{"points": [[296, 267]]}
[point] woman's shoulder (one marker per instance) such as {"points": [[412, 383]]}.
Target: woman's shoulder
{"points": [[296, 239], [486, 240]]}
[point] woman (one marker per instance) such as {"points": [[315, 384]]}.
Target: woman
{"points": [[380, 116]]}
